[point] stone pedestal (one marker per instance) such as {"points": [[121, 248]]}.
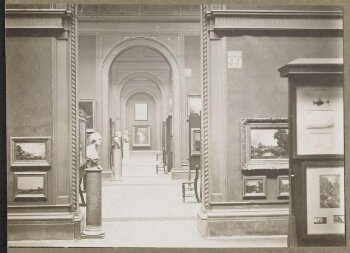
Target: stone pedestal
{"points": [[117, 162], [93, 227]]}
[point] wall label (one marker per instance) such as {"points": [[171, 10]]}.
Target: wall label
{"points": [[234, 59]]}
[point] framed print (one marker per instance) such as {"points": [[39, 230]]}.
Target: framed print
{"points": [[254, 187], [325, 200], [141, 112], [265, 143], [141, 136], [282, 186], [82, 138], [195, 141], [88, 107], [30, 185], [319, 122], [194, 104], [30, 151]]}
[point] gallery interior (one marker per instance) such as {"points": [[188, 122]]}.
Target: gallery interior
{"points": [[223, 120]]}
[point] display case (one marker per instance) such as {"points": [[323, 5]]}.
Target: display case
{"points": [[316, 152]]}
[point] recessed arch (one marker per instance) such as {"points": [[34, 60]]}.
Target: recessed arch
{"points": [[176, 80]]}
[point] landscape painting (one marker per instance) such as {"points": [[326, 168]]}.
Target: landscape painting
{"points": [[269, 143], [254, 186], [330, 191], [30, 151], [30, 185], [283, 186]]}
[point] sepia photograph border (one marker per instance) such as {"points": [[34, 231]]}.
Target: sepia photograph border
{"points": [[346, 5]]}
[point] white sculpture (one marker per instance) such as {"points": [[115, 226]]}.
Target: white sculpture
{"points": [[92, 155], [117, 140], [126, 145]]}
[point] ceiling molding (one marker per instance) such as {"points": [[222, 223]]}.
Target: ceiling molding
{"points": [[275, 20]]}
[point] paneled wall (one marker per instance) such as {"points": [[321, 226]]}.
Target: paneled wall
{"points": [[41, 127], [257, 91], [242, 51]]}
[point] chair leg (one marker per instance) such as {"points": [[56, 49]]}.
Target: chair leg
{"points": [[81, 192], [183, 192]]}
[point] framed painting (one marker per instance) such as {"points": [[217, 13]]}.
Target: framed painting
{"points": [[282, 187], [265, 144], [141, 112], [30, 186], [30, 151], [254, 187], [88, 107], [194, 104], [325, 211], [195, 141], [141, 135]]}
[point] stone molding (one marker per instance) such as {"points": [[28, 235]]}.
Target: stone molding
{"points": [[37, 19], [275, 20]]}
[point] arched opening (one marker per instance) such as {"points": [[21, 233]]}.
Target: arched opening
{"points": [[145, 64]]}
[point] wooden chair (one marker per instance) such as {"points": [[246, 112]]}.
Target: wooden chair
{"points": [[82, 179], [160, 163], [190, 188]]}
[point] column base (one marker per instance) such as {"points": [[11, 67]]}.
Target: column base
{"points": [[106, 174], [243, 222], [49, 225], [181, 173], [96, 232]]}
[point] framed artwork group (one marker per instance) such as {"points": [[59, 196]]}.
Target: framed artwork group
{"points": [[256, 187], [325, 211], [26, 155]]}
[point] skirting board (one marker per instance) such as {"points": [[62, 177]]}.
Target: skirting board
{"points": [[42, 227], [243, 222]]}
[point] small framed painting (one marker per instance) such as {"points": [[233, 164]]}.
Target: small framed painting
{"points": [[141, 112], [30, 186], [195, 141], [87, 106], [194, 104], [254, 187], [282, 187], [30, 151], [265, 143], [141, 136]]}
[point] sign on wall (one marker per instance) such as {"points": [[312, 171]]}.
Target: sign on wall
{"points": [[234, 59]]}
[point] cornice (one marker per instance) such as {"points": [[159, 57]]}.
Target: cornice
{"points": [[313, 66], [37, 19], [275, 20]]}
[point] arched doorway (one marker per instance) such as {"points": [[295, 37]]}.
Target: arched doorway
{"points": [[171, 95]]}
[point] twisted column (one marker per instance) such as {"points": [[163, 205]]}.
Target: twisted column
{"points": [[204, 141]]}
